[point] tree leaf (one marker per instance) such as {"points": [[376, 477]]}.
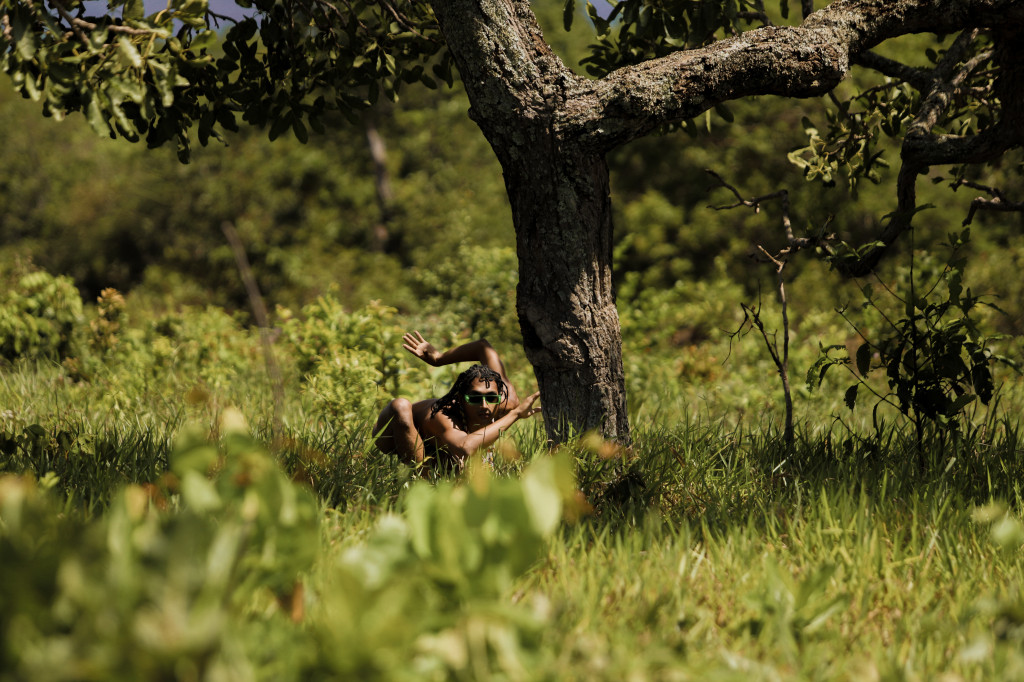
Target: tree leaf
{"points": [[301, 134], [850, 397], [864, 359]]}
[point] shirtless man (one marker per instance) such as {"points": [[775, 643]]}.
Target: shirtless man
{"points": [[480, 405]]}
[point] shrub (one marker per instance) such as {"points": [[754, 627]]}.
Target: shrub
{"points": [[39, 316]]}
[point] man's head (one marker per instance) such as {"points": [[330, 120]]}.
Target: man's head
{"points": [[474, 396]]}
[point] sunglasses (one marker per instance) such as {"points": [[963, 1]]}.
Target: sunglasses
{"points": [[481, 398]]}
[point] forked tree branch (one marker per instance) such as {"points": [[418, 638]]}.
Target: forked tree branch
{"points": [[793, 243], [998, 202], [922, 149]]}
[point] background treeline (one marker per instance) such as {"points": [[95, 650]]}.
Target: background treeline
{"points": [[423, 226], [118, 215]]}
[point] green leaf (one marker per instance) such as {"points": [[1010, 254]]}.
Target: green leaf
{"points": [[280, 124], [24, 36], [134, 9], [192, 12], [203, 41], [864, 359], [301, 134], [97, 119], [850, 397], [163, 79], [128, 52], [199, 492], [568, 11]]}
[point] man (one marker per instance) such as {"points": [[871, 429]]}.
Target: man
{"points": [[481, 404]]}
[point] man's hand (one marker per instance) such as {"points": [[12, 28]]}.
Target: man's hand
{"points": [[525, 408], [421, 348]]}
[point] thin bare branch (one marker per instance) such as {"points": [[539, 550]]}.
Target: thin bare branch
{"points": [[998, 202], [71, 21], [920, 79], [754, 203], [403, 21], [113, 28], [793, 243]]}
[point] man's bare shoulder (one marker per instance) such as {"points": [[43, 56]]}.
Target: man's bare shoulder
{"points": [[421, 410]]}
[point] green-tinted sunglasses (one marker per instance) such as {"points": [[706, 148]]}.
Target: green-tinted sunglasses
{"points": [[481, 398]]}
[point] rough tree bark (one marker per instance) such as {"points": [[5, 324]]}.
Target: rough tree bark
{"points": [[551, 129]]}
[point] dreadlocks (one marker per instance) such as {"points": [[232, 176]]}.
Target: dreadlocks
{"points": [[451, 402]]}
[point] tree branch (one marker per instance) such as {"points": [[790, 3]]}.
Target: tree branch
{"points": [[998, 202], [62, 10], [801, 61], [793, 243], [920, 79], [922, 149]]}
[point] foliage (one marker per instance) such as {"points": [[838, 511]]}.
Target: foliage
{"points": [[39, 315], [475, 287], [157, 76], [158, 585], [325, 331], [936, 358], [221, 573], [637, 30]]}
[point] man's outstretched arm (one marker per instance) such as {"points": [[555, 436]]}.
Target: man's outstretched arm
{"points": [[464, 444], [475, 351], [480, 351]]}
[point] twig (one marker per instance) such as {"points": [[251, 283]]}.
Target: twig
{"points": [[71, 21], [779, 260], [917, 77], [259, 310], [996, 204], [754, 203], [113, 28], [403, 21]]}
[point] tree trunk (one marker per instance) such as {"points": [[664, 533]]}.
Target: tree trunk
{"points": [[562, 213], [382, 181], [561, 210]]}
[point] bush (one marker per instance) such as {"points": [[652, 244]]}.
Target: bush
{"points": [[221, 572], [39, 316]]}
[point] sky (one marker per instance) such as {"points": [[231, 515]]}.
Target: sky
{"points": [[226, 7], [229, 8]]}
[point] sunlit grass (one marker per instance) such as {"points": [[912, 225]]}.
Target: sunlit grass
{"points": [[707, 548]]}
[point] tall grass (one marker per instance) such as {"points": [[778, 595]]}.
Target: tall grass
{"points": [[707, 549]]}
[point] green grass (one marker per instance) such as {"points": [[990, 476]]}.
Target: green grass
{"points": [[840, 585], [708, 549]]}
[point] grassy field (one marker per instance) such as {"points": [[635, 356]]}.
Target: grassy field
{"points": [[167, 512]]}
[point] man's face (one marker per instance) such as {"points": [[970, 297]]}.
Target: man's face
{"points": [[481, 400]]}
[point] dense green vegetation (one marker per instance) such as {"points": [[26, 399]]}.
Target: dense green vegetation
{"points": [[174, 505], [157, 523]]}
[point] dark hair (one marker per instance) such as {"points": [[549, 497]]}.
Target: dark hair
{"points": [[451, 402]]}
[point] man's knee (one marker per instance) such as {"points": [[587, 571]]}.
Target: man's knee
{"points": [[402, 409]]}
